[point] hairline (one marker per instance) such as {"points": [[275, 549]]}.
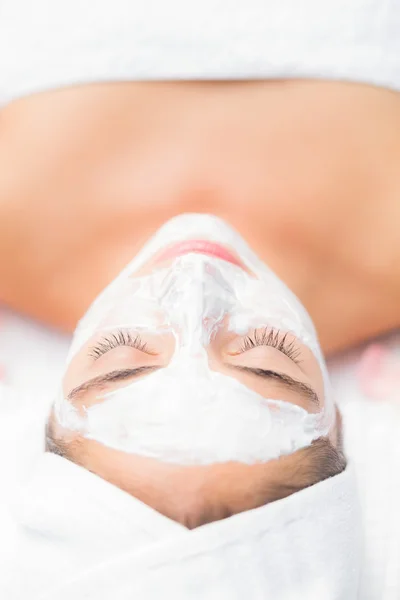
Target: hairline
{"points": [[315, 463]]}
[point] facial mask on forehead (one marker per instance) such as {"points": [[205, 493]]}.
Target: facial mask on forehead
{"points": [[187, 412]]}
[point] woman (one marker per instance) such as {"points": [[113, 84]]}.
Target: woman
{"points": [[299, 152]]}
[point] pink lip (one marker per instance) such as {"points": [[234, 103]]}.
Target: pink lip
{"points": [[202, 247]]}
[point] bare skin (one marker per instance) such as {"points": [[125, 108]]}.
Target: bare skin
{"points": [[307, 171]]}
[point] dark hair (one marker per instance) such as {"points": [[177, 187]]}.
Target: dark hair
{"points": [[314, 463], [57, 445]]}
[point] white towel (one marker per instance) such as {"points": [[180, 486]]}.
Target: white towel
{"points": [[46, 44], [80, 537]]}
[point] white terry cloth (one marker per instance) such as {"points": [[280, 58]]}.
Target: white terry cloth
{"points": [[80, 537], [372, 440], [46, 44]]}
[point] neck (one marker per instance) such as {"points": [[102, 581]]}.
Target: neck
{"points": [[306, 171]]}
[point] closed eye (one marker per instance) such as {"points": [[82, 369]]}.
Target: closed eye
{"points": [[274, 338], [114, 340]]}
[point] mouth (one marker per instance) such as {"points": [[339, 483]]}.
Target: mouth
{"points": [[200, 247]]}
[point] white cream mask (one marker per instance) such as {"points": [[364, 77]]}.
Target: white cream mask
{"points": [[188, 412]]}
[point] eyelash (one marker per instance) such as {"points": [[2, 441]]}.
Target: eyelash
{"points": [[114, 340], [274, 338], [267, 337]]}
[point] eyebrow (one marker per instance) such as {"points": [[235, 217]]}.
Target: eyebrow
{"points": [[294, 385], [98, 383]]}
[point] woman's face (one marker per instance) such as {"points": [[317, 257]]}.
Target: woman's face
{"points": [[272, 363], [194, 357]]}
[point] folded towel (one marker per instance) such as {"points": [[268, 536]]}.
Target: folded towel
{"points": [[46, 44]]}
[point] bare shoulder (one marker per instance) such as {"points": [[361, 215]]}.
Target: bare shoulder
{"points": [[308, 172]]}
